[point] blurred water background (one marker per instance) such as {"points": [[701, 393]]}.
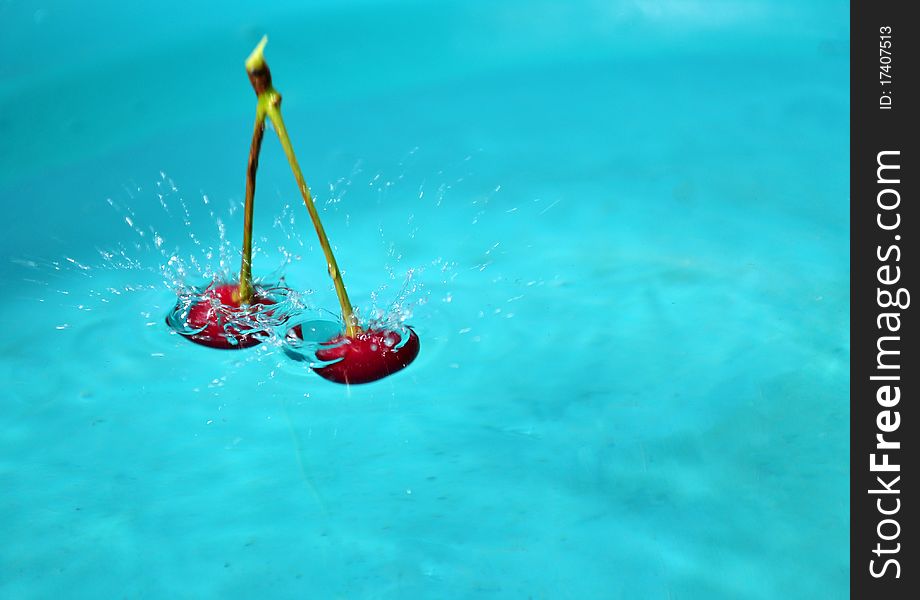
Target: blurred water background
{"points": [[621, 228]]}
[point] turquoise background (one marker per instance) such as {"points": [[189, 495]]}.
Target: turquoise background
{"points": [[626, 224]]}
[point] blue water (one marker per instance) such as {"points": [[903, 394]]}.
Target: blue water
{"points": [[625, 229]]}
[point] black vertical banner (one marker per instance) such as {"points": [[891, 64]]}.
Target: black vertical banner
{"points": [[885, 370]]}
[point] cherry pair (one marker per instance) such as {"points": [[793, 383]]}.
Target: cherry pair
{"points": [[226, 314]]}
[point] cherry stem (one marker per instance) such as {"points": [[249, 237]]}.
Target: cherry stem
{"points": [[269, 105], [244, 293]]}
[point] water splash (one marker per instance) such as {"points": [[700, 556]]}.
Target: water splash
{"points": [[305, 339], [177, 245], [269, 316]]}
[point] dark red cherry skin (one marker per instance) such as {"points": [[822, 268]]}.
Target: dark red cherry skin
{"points": [[369, 356], [215, 334]]}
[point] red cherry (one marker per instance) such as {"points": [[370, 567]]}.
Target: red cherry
{"points": [[369, 356], [211, 319]]}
